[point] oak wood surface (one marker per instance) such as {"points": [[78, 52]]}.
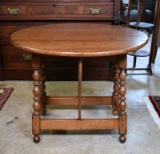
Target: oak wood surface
{"points": [[79, 40], [73, 100], [83, 124]]}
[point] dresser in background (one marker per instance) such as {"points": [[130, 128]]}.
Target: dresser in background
{"points": [[18, 14]]}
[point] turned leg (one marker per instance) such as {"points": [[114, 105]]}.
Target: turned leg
{"points": [[122, 103], [37, 91], [115, 94], [43, 93], [122, 107]]}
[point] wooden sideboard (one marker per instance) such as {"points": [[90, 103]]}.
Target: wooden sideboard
{"points": [[18, 14]]}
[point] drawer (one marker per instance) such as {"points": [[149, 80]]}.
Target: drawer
{"points": [[57, 10], [6, 31], [13, 57], [7, 28]]}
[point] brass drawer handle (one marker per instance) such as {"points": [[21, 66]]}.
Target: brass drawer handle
{"points": [[27, 57], [13, 11], [95, 10]]}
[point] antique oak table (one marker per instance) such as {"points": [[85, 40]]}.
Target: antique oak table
{"points": [[79, 40]]}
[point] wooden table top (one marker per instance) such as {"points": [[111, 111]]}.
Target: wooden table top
{"points": [[79, 39]]}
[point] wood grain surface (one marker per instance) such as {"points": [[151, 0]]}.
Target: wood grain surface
{"points": [[79, 39]]}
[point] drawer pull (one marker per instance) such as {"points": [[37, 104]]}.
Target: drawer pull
{"points": [[95, 10], [27, 57], [13, 11]]}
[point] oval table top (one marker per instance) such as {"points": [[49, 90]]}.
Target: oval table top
{"points": [[79, 39]]}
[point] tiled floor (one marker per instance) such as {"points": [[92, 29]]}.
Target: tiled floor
{"points": [[143, 135]]}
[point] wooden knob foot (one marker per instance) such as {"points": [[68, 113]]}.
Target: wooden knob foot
{"points": [[122, 139], [36, 139]]}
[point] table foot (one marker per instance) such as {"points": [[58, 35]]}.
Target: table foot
{"points": [[122, 138], [36, 139]]}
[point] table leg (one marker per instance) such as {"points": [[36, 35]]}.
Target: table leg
{"points": [[117, 101], [115, 97], [37, 91], [43, 93], [122, 104]]}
